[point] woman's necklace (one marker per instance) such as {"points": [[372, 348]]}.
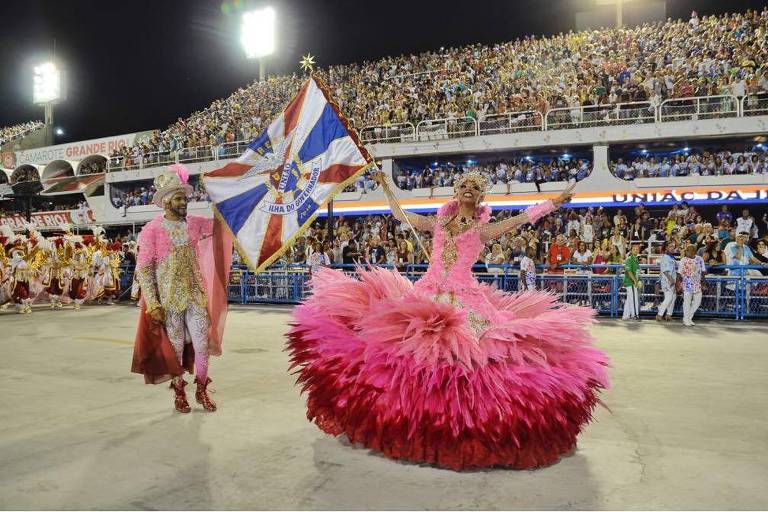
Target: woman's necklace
{"points": [[465, 221], [461, 223]]}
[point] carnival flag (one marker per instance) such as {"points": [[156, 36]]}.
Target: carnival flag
{"points": [[271, 193]]}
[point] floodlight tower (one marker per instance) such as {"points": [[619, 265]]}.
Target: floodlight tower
{"points": [[47, 90], [619, 9], [257, 35]]}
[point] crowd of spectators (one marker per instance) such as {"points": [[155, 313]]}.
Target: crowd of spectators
{"points": [[26, 173], [143, 193], [93, 168], [17, 131], [691, 163], [581, 237], [708, 55], [507, 171], [61, 203]]}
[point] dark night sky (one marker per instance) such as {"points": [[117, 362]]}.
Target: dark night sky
{"points": [[137, 65]]}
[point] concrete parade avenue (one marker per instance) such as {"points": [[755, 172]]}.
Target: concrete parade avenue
{"points": [[684, 427]]}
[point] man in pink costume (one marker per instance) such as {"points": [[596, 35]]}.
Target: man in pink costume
{"points": [[182, 270]]}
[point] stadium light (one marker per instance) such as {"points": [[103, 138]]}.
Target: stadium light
{"points": [[47, 84], [257, 35], [619, 9], [686, 149], [59, 132], [48, 89]]}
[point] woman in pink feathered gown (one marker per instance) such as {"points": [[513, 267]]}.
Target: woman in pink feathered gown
{"points": [[448, 371]]}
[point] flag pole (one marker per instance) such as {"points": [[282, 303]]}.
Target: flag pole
{"points": [[308, 64], [330, 220], [393, 199]]}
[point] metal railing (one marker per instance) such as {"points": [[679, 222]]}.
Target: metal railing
{"points": [[755, 105], [698, 107], [737, 292], [511, 122], [446, 128], [146, 160], [401, 132], [198, 154], [600, 115], [231, 149], [675, 109]]}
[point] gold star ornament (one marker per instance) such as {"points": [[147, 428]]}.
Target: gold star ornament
{"points": [[308, 62]]}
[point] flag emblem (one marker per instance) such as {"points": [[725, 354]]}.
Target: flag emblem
{"points": [[272, 192]]}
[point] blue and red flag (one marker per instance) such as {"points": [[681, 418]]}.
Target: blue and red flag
{"points": [[271, 193]]}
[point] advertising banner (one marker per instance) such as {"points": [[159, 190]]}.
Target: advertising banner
{"points": [[49, 220], [76, 150]]}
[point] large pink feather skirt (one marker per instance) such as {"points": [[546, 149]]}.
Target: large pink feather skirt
{"points": [[448, 371]]}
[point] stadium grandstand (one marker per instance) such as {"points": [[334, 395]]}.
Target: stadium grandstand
{"points": [[19, 131], [496, 269], [651, 121]]}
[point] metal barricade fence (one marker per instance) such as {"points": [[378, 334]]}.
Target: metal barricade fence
{"points": [[447, 128], [511, 122], [694, 108], [755, 296], [738, 292], [754, 105], [197, 154], [232, 149], [600, 115], [403, 132], [156, 158]]}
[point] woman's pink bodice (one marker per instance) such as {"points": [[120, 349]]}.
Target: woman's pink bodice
{"points": [[441, 276], [449, 276]]}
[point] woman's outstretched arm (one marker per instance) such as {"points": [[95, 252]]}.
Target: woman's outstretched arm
{"points": [[420, 222], [529, 216]]}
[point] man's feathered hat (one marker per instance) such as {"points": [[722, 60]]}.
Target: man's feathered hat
{"points": [[171, 181]]}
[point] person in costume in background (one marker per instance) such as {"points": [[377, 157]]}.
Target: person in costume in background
{"points": [[112, 259], [448, 370], [79, 265], [37, 258], [55, 271], [181, 315], [21, 276], [100, 269], [7, 236]]}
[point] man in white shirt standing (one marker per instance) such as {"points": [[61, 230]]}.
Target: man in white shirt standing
{"points": [[667, 278], [745, 223]]}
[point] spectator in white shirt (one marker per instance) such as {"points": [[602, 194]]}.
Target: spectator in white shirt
{"points": [[582, 255], [588, 230], [318, 258], [667, 279], [745, 223]]}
